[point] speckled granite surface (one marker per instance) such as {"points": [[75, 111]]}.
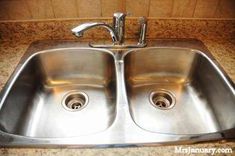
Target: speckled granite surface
{"points": [[157, 28], [220, 43], [137, 151]]}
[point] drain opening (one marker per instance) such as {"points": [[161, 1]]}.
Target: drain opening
{"points": [[75, 101], [162, 99]]}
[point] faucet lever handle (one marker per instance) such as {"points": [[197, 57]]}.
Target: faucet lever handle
{"points": [[119, 15], [143, 30]]}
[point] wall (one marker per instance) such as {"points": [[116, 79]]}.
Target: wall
{"points": [[50, 9]]}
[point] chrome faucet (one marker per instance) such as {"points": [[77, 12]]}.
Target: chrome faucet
{"points": [[117, 32]]}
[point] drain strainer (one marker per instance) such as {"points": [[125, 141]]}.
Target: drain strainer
{"points": [[162, 99], [75, 101]]}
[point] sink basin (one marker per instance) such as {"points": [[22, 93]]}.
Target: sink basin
{"points": [[59, 93], [64, 93], [177, 91]]}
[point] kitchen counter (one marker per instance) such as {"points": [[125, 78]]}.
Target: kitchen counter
{"points": [[134, 151], [11, 52], [223, 49]]}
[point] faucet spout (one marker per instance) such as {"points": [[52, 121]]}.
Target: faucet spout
{"points": [[79, 30]]}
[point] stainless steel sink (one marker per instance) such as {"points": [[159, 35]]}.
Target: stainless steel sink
{"points": [[63, 93], [50, 96], [177, 91]]}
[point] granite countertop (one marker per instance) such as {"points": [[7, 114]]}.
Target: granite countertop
{"points": [[11, 52], [217, 35]]}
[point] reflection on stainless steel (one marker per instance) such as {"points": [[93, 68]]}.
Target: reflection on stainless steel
{"points": [[96, 97], [42, 85], [204, 104]]}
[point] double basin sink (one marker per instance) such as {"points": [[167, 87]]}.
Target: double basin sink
{"points": [[64, 93]]}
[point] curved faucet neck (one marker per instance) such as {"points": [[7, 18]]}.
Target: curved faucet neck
{"points": [[79, 30]]}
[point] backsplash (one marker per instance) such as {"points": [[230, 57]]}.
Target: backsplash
{"points": [[51, 9]]}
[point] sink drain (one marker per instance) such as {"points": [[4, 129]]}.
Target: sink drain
{"points": [[75, 101], [162, 99]]}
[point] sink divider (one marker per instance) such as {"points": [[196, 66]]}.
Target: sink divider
{"points": [[123, 111]]}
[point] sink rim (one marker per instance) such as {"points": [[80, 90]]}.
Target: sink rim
{"points": [[12, 140]]}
